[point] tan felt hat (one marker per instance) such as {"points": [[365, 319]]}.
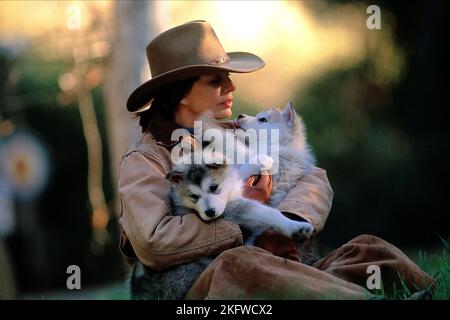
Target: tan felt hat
{"points": [[186, 51]]}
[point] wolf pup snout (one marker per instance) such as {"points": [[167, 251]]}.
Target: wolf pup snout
{"points": [[210, 213]]}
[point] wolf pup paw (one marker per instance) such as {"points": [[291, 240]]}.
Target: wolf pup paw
{"points": [[265, 162], [303, 230]]}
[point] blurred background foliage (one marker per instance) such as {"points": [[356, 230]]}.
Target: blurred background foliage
{"points": [[385, 143], [54, 231], [375, 104]]}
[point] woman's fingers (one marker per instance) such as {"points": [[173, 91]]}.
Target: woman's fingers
{"points": [[261, 182], [258, 188], [250, 181]]}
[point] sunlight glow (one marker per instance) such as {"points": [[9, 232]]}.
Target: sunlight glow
{"points": [[245, 18], [300, 41], [297, 45]]}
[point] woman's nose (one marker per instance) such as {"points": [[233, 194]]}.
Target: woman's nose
{"points": [[228, 86]]}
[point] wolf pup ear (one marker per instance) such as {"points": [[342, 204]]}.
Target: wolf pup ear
{"points": [[289, 113], [174, 176], [214, 160], [219, 161], [216, 165]]}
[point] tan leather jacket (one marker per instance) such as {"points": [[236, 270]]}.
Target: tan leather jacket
{"points": [[158, 239]]}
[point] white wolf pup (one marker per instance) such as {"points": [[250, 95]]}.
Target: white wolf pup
{"points": [[284, 151], [294, 157]]}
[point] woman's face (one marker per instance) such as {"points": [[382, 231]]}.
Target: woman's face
{"points": [[213, 92]]}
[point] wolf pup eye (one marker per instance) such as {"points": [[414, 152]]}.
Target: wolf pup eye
{"points": [[213, 187], [194, 197], [262, 119]]}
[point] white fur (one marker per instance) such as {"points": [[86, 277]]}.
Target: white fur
{"points": [[228, 202], [294, 161], [295, 157]]}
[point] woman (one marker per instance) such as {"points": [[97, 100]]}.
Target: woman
{"points": [[190, 72]]}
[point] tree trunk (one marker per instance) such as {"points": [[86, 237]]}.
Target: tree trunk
{"points": [[132, 32]]}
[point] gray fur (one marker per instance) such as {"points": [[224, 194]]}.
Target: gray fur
{"points": [[295, 161], [252, 216]]}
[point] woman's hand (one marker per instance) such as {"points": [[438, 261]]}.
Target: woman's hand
{"points": [[258, 188], [278, 244]]}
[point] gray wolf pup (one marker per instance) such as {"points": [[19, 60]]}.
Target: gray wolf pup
{"points": [[212, 191]]}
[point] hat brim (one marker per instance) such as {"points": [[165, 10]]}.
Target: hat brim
{"points": [[240, 62]]}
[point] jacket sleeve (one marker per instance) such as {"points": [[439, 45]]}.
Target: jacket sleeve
{"points": [[310, 199], [159, 239]]}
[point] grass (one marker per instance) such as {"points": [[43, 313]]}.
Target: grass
{"points": [[115, 291], [437, 265]]}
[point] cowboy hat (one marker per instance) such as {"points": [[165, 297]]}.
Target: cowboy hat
{"points": [[186, 51]]}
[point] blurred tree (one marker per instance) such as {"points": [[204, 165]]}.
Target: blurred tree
{"points": [[54, 231], [132, 32], [7, 279]]}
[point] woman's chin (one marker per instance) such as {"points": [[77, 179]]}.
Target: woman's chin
{"points": [[224, 113]]}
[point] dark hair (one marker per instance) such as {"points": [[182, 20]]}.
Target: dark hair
{"points": [[165, 102]]}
